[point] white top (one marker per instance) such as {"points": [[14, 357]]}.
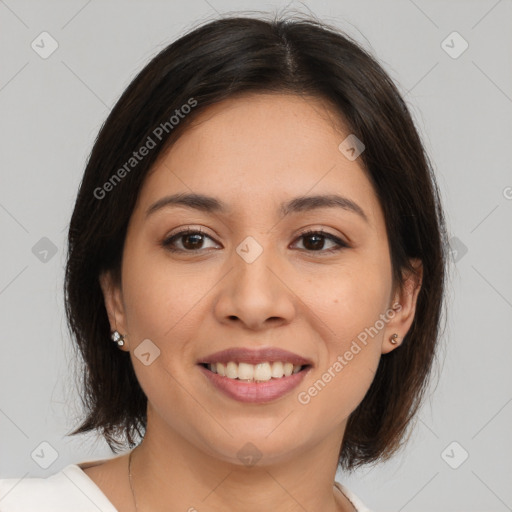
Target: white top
{"points": [[72, 490]]}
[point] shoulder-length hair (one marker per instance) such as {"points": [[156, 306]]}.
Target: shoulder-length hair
{"points": [[214, 62]]}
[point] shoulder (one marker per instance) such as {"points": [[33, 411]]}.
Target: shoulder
{"points": [[70, 487], [356, 502]]}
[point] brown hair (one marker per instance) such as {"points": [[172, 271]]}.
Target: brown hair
{"points": [[213, 62]]}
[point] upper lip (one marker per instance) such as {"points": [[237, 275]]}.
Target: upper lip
{"points": [[255, 356]]}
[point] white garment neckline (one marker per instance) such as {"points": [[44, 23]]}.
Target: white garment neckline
{"points": [[77, 475]]}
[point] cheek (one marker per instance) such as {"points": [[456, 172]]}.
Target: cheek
{"points": [[159, 297], [336, 393], [351, 352], [350, 305], [160, 302], [351, 297]]}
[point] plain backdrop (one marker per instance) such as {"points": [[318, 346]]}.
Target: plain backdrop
{"points": [[459, 455]]}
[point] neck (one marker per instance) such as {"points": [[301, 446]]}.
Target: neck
{"points": [[169, 473]]}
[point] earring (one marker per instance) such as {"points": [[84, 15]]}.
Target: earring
{"points": [[393, 338], [118, 338]]}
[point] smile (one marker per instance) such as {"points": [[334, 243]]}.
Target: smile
{"points": [[255, 375], [261, 372]]}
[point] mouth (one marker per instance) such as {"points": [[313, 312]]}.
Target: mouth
{"points": [[255, 376]]}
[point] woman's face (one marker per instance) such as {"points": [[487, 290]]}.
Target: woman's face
{"points": [[253, 281]]}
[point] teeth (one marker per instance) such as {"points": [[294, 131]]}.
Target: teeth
{"points": [[277, 370], [231, 370], [246, 371], [261, 372], [288, 369]]}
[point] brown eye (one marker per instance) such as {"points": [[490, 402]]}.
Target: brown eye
{"points": [[314, 241], [191, 240]]}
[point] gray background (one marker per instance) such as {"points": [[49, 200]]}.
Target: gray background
{"points": [[51, 110]]}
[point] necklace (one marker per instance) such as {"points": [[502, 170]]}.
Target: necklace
{"points": [[133, 492], [130, 479]]}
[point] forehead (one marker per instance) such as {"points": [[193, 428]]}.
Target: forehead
{"points": [[261, 148], [275, 127]]}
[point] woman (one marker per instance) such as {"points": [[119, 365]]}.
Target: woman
{"points": [[254, 280]]}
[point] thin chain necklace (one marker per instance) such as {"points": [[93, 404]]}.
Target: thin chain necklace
{"points": [[130, 478], [133, 492]]}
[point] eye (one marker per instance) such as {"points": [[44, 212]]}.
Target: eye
{"points": [[191, 240], [316, 241]]}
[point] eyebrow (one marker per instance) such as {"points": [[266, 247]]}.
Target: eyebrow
{"points": [[210, 204]]}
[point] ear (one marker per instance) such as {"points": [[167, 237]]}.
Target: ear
{"points": [[403, 306], [113, 297]]}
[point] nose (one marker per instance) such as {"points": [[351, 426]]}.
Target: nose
{"points": [[256, 294]]}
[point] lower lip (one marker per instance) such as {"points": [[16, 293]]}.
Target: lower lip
{"points": [[255, 392]]}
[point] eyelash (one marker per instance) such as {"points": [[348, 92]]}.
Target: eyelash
{"points": [[167, 243]]}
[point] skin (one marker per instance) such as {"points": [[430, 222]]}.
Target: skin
{"points": [[252, 152]]}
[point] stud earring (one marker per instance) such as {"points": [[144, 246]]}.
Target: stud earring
{"points": [[118, 338], [393, 338]]}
